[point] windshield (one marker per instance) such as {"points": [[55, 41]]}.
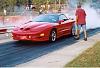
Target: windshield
{"points": [[46, 18]]}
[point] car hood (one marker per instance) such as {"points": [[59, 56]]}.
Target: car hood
{"points": [[35, 26]]}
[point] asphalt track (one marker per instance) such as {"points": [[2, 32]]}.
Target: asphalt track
{"points": [[14, 52]]}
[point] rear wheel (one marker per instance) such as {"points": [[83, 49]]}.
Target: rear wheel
{"points": [[53, 36]]}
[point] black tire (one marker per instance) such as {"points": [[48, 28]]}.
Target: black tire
{"points": [[71, 33], [53, 36]]}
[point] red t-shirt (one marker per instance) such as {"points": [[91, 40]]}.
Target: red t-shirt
{"points": [[81, 16]]}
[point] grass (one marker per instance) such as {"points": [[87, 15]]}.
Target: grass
{"points": [[90, 58]]}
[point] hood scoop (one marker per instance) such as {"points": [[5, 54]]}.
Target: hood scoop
{"points": [[21, 28], [25, 29]]}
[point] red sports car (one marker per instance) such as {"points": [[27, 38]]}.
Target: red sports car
{"points": [[47, 27]]}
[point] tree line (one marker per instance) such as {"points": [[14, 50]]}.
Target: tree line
{"points": [[4, 4]]}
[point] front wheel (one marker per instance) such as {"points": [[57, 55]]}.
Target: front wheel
{"points": [[72, 33], [53, 36]]}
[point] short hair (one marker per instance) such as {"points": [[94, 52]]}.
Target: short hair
{"points": [[79, 6]]}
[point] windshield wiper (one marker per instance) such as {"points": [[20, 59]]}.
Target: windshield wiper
{"points": [[39, 21], [28, 22]]}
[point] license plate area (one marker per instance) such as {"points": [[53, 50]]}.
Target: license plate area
{"points": [[23, 37]]}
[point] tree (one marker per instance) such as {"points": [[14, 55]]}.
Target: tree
{"points": [[82, 1], [21, 2], [38, 3], [4, 4], [11, 3]]}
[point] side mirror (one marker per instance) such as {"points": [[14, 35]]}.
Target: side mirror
{"points": [[60, 21], [71, 19], [66, 19]]}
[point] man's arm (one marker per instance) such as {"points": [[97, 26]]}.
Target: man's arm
{"points": [[76, 14], [84, 13]]}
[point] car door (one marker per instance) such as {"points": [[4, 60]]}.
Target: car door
{"points": [[61, 26], [66, 25]]}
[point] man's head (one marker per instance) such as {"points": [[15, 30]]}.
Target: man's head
{"points": [[79, 6]]}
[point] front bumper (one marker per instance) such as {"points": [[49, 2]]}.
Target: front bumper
{"points": [[31, 37]]}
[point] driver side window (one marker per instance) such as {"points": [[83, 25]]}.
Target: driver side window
{"points": [[62, 17]]}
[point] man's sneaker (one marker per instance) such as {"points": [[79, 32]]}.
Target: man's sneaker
{"points": [[85, 39]]}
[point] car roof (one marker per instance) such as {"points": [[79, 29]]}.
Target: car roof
{"points": [[54, 14]]}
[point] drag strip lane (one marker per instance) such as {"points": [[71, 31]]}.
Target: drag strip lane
{"points": [[14, 53]]}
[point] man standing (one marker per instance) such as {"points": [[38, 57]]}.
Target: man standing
{"points": [[80, 22]]}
